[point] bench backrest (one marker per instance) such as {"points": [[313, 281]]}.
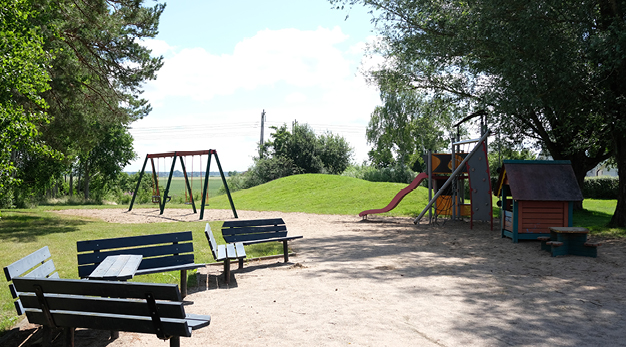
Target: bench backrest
{"points": [[250, 230], [104, 305], [158, 250], [35, 265], [212, 243]]}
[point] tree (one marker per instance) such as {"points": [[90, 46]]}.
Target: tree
{"points": [[300, 146], [106, 160], [406, 126], [297, 152], [97, 73], [335, 153], [23, 77], [546, 70]]}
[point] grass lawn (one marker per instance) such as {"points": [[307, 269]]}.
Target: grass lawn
{"points": [[24, 231]]}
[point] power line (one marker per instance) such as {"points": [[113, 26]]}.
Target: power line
{"points": [[242, 129]]}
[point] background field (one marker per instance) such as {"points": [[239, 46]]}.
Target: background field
{"points": [[177, 187]]}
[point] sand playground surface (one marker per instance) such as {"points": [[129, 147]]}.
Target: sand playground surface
{"points": [[387, 282]]}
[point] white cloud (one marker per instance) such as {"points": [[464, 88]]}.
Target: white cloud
{"points": [[296, 57], [158, 47], [304, 77], [295, 98]]}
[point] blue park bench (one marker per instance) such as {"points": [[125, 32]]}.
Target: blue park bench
{"points": [[68, 304]]}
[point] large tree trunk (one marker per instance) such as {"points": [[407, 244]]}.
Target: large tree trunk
{"points": [[619, 216]]}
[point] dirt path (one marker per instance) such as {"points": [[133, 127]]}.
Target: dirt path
{"points": [[388, 282]]}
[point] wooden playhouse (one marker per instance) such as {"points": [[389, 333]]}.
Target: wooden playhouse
{"points": [[536, 195]]}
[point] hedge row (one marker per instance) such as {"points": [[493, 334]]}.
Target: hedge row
{"points": [[600, 187]]}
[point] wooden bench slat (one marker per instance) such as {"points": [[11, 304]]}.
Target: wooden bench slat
{"points": [[43, 270], [187, 266], [252, 222], [280, 239], [105, 321], [241, 252], [197, 321], [99, 288], [230, 251], [133, 241], [254, 230], [83, 303], [221, 253], [19, 267], [146, 252], [174, 260], [253, 237]]}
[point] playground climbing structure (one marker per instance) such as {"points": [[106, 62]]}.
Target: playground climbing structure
{"points": [[446, 179]]}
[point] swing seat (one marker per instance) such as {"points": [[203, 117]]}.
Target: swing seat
{"points": [[157, 199]]}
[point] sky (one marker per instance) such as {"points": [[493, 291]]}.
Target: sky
{"points": [[225, 62]]}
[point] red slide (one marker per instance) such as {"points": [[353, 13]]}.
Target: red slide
{"points": [[396, 200]]}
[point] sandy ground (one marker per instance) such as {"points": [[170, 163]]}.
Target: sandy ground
{"points": [[388, 282]]}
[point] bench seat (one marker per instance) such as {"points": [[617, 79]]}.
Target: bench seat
{"points": [[55, 303], [254, 231], [160, 252], [145, 307], [225, 253]]}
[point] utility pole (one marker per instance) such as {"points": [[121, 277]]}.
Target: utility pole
{"points": [[262, 127]]}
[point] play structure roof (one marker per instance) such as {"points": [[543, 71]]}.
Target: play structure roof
{"points": [[540, 180]]}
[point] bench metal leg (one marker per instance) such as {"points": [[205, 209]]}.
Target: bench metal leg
{"points": [[175, 341], [46, 338], [241, 263], [68, 336], [285, 251], [227, 270], [114, 334], [183, 283]]}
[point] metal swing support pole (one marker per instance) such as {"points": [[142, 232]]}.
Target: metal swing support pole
{"points": [[132, 201], [230, 199], [167, 187], [206, 184], [182, 163], [452, 177]]}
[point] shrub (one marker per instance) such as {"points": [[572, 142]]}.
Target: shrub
{"points": [[397, 173], [263, 171], [604, 187]]}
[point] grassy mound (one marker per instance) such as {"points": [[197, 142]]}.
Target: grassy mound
{"points": [[324, 194]]}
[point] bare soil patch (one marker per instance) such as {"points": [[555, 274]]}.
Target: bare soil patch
{"points": [[388, 282]]}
